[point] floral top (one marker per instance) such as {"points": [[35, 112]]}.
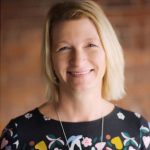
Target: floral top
{"points": [[122, 130]]}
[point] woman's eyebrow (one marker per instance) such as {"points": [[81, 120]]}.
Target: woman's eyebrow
{"points": [[92, 39], [61, 42]]}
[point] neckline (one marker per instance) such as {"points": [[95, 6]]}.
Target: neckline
{"points": [[47, 119]]}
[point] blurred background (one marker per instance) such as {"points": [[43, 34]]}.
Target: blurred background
{"points": [[21, 83]]}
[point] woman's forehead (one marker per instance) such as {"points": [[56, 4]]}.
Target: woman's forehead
{"points": [[79, 28]]}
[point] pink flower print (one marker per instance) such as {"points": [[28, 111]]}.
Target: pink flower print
{"points": [[4, 143], [87, 142], [108, 148], [146, 140], [131, 148], [100, 145]]}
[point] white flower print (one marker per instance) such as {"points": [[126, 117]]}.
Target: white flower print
{"points": [[17, 144], [46, 118], [11, 132], [137, 115], [57, 148], [28, 115], [16, 125], [121, 115]]}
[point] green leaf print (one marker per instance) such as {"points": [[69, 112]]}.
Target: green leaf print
{"points": [[109, 144], [59, 143], [125, 134], [95, 140], [125, 148], [144, 131], [141, 134], [134, 143], [127, 143], [52, 136], [53, 146]]}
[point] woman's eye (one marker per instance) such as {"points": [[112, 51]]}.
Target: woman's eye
{"points": [[64, 48], [92, 45]]}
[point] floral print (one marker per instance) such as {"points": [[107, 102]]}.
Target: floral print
{"points": [[4, 142], [116, 136], [120, 115], [53, 140], [146, 140], [129, 140], [100, 145], [116, 141], [28, 115], [75, 141], [41, 145], [137, 115], [87, 142]]}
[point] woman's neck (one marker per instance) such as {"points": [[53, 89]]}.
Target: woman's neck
{"points": [[83, 106]]}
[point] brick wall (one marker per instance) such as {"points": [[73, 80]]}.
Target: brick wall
{"points": [[22, 86]]}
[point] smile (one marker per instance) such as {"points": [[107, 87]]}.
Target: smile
{"points": [[79, 73]]}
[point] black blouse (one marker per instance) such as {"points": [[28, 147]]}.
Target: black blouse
{"points": [[122, 130]]}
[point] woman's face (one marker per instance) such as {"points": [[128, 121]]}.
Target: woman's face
{"points": [[77, 55]]}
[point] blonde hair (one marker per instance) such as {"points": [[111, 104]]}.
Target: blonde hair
{"points": [[113, 80]]}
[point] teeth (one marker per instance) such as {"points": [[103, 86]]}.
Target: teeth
{"points": [[80, 73]]}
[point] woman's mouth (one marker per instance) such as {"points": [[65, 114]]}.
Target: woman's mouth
{"points": [[79, 73]]}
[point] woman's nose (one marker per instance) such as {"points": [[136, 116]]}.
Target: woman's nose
{"points": [[78, 57]]}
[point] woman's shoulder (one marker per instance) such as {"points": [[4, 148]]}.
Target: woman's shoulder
{"points": [[131, 118], [23, 121], [128, 113], [28, 116], [34, 115]]}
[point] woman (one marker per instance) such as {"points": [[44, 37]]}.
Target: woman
{"points": [[84, 68]]}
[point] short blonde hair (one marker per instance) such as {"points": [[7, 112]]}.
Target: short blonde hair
{"points": [[113, 80]]}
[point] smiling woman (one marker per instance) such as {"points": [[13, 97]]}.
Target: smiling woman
{"points": [[81, 64], [113, 88], [84, 67]]}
